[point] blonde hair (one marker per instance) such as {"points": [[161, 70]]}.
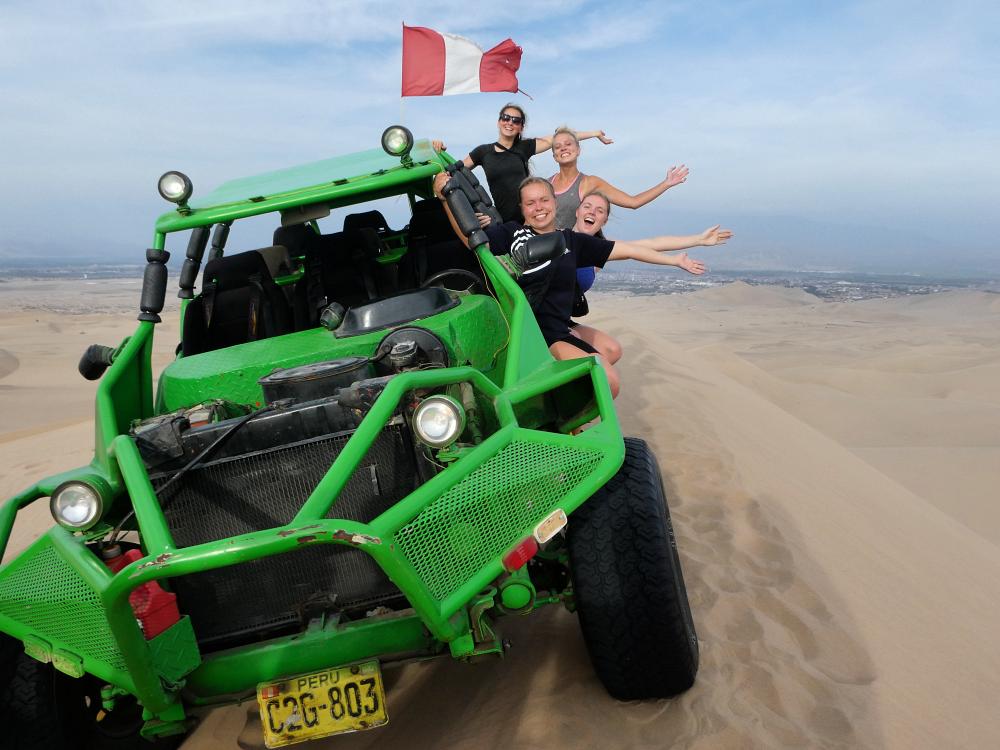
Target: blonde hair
{"points": [[566, 130]]}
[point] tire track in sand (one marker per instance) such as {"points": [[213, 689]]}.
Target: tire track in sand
{"points": [[779, 665]]}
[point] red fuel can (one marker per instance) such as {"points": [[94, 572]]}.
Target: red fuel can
{"points": [[155, 609]]}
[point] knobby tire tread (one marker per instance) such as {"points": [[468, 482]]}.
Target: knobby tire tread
{"points": [[630, 592], [41, 709]]}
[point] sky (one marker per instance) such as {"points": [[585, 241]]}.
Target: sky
{"points": [[859, 133]]}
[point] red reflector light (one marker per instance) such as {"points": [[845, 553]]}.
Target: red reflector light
{"points": [[517, 557]]}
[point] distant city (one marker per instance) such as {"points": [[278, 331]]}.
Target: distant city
{"points": [[833, 287], [644, 280]]}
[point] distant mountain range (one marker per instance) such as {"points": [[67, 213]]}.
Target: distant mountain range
{"points": [[787, 243]]}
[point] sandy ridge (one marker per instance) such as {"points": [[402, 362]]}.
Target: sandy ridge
{"points": [[831, 468]]}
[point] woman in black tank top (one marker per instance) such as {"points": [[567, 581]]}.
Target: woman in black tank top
{"points": [[505, 161]]}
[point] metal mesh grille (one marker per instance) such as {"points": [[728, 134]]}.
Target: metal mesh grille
{"points": [[274, 592], [265, 490], [43, 591], [485, 514]]}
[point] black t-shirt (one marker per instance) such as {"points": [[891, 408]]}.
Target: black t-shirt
{"points": [[553, 310], [504, 172]]}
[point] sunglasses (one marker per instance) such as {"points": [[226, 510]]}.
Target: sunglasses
{"points": [[512, 118]]}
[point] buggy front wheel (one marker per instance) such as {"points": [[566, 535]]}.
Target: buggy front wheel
{"points": [[628, 585]]}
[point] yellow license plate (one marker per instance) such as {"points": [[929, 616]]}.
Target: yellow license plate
{"points": [[309, 706]]}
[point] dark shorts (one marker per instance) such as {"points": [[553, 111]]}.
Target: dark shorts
{"points": [[579, 343]]}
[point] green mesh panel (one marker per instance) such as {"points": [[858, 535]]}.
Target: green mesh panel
{"points": [[43, 591], [484, 515]]}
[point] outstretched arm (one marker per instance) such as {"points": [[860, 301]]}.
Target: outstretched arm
{"points": [[675, 176], [439, 147], [635, 251], [598, 134], [544, 143], [663, 244], [650, 250]]}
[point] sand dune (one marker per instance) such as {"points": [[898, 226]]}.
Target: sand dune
{"points": [[8, 363], [741, 293], [831, 469]]}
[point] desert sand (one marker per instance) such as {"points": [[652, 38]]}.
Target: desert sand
{"points": [[832, 472]]}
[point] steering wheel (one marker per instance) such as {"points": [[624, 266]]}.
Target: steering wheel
{"points": [[476, 287]]}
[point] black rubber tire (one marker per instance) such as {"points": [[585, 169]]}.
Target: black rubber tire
{"points": [[42, 709], [628, 585]]}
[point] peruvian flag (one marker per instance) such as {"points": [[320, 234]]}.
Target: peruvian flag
{"points": [[436, 64]]}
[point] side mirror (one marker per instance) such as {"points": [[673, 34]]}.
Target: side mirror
{"points": [[527, 256], [544, 247], [95, 361]]}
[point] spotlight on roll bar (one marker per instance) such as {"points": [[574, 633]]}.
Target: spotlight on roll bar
{"points": [[397, 141], [175, 187]]}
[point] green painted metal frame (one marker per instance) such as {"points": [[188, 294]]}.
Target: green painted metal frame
{"points": [[126, 393]]}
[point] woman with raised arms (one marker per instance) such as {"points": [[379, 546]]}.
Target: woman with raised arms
{"points": [[505, 162], [591, 216], [571, 185], [558, 277]]}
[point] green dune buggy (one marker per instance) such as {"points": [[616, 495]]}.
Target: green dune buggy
{"points": [[362, 455]]}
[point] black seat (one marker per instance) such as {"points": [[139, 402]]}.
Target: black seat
{"points": [[293, 237], [239, 302], [367, 220], [434, 245], [370, 232], [336, 270]]}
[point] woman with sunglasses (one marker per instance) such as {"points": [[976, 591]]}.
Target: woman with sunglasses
{"points": [[505, 162]]}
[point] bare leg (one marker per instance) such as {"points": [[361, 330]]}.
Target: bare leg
{"points": [[607, 345], [562, 350]]}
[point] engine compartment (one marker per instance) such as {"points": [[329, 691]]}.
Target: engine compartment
{"points": [[233, 374]]}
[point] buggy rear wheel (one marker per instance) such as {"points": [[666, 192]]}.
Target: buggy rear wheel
{"points": [[628, 585]]}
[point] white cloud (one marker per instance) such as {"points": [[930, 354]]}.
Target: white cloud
{"points": [[876, 109]]}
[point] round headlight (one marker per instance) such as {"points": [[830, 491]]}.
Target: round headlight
{"points": [[75, 505], [397, 140], [438, 421], [175, 187]]}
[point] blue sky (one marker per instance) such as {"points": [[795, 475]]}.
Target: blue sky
{"points": [[858, 120]]}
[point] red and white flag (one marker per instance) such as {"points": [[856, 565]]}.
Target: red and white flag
{"points": [[436, 64]]}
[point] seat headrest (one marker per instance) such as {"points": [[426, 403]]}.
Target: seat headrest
{"points": [[370, 219], [232, 271], [292, 236]]}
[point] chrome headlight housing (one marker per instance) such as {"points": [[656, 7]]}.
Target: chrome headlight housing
{"points": [[438, 421], [397, 140], [76, 505], [175, 187]]}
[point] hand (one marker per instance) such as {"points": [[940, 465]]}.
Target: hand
{"points": [[676, 175], [484, 220], [714, 236], [440, 180], [690, 265], [603, 138], [439, 146]]}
